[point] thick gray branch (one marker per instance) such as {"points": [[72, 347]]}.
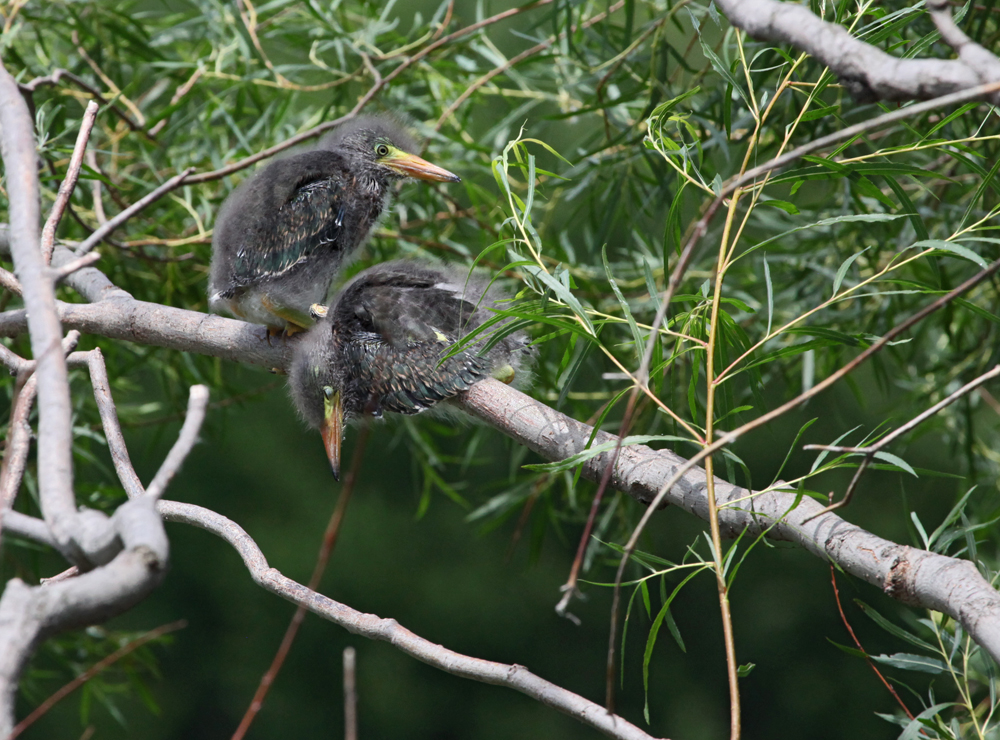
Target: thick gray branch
{"points": [[868, 72], [162, 326], [55, 463], [915, 577], [29, 614], [516, 677]]}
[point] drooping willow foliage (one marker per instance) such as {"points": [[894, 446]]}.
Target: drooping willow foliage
{"points": [[591, 137]]}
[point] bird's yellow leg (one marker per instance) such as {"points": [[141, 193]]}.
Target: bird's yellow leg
{"points": [[504, 373], [295, 321]]}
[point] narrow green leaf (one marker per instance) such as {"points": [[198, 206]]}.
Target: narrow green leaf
{"points": [[897, 461], [912, 662], [842, 272], [894, 629], [636, 335], [956, 249]]}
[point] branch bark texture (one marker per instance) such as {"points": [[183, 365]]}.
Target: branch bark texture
{"points": [[868, 72]]}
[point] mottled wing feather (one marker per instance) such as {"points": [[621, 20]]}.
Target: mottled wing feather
{"points": [[397, 327], [410, 380], [310, 223]]}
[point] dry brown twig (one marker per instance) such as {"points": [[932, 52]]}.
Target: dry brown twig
{"points": [[43, 708]]}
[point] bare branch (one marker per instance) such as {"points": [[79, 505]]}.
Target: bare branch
{"points": [[55, 465], [69, 182], [372, 627], [22, 525], [64, 271], [8, 281], [868, 72], [163, 326], [112, 429], [13, 361], [197, 402], [29, 614], [105, 229]]}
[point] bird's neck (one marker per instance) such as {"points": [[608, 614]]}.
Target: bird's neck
{"points": [[376, 186]]}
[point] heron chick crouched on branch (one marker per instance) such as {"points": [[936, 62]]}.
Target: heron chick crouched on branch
{"points": [[282, 236], [380, 347]]}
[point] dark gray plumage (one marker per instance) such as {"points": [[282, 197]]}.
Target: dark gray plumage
{"points": [[282, 236], [380, 345]]}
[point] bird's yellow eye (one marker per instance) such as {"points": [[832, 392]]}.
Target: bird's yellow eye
{"points": [[327, 391], [382, 150]]}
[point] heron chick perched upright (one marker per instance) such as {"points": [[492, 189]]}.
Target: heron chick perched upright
{"points": [[282, 236], [380, 347]]}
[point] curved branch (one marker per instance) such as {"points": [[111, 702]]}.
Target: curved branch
{"points": [[516, 677]]}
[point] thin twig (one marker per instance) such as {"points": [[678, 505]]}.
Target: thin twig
{"points": [[8, 281], [367, 97], [15, 456], [322, 559], [112, 428], [870, 451], [69, 182], [80, 680], [104, 230], [96, 189], [62, 272], [178, 95], [186, 439], [350, 696], [56, 76], [857, 643]]}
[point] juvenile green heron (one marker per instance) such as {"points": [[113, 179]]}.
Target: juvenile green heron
{"points": [[282, 236], [379, 347]]}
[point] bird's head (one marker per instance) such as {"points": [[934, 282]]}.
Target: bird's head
{"points": [[383, 145], [316, 385]]}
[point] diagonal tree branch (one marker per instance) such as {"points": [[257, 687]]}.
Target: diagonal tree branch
{"points": [[516, 677], [913, 576]]}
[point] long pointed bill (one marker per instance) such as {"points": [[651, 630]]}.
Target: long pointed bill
{"points": [[410, 165], [333, 431]]}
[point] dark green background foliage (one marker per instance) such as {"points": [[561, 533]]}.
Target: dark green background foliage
{"points": [[651, 108]]}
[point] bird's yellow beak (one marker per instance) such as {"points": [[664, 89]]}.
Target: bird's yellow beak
{"points": [[410, 165], [333, 430]]}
